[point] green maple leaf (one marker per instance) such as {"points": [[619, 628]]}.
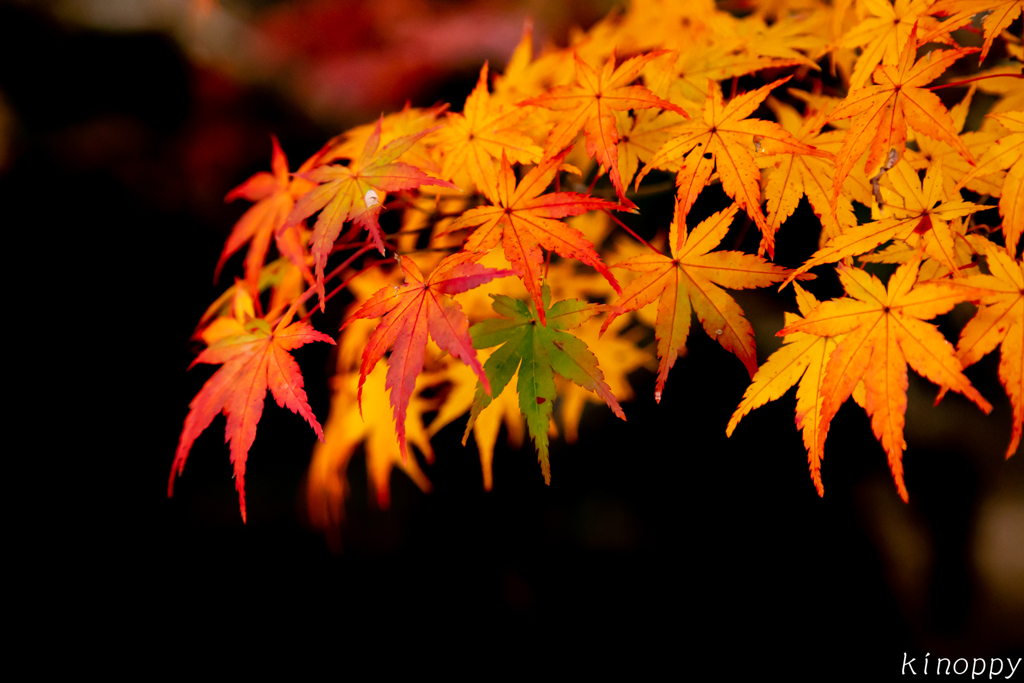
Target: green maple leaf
{"points": [[537, 351]]}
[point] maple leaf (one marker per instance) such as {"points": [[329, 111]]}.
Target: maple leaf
{"points": [[410, 121], [697, 63], [724, 139], [503, 410], [794, 175], [642, 135], [883, 112], [882, 35], [590, 105], [963, 254], [802, 358], [255, 358], [955, 167], [916, 216], [1001, 81], [420, 308], [621, 351], [279, 276], [274, 194], [537, 347], [961, 12], [356, 192], [523, 220], [620, 355], [999, 322], [1006, 152], [786, 40], [508, 86], [885, 331], [691, 280], [345, 430], [475, 139]]}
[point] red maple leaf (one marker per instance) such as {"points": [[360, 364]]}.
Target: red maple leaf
{"points": [[254, 359], [356, 192], [274, 194], [421, 307]]}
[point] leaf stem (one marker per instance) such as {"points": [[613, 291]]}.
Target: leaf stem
{"points": [[342, 286], [416, 231], [971, 80], [630, 231], [309, 292], [645, 191], [656, 188], [427, 250], [365, 243], [742, 233]]}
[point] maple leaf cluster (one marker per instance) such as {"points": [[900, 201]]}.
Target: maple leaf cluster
{"points": [[473, 270]]}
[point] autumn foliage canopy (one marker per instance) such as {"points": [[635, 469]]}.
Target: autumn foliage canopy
{"points": [[488, 250]]}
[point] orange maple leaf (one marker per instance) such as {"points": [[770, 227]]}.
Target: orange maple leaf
{"points": [[421, 307], [882, 35], [591, 104], [727, 57], [691, 278], [999, 322], [954, 167], [802, 358], [1006, 152], [356, 192], [884, 111], [725, 139], [409, 121], [642, 135], [476, 138], [1001, 14], [523, 220], [345, 431], [917, 214], [255, 358], [884, 331], [796, 174], [274, 194]]}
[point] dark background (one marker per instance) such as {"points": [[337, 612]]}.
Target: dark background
{"points": [[659, 540]]}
